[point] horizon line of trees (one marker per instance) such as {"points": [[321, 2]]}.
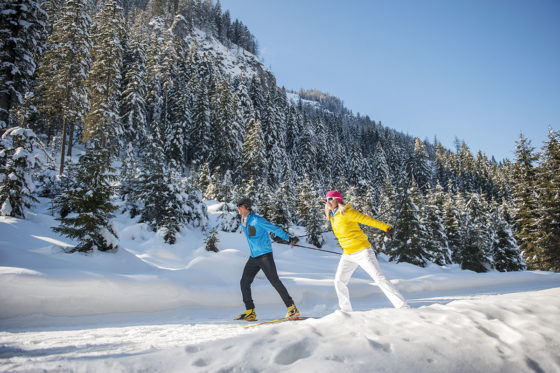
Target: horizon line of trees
{"points": [[141, 92]]}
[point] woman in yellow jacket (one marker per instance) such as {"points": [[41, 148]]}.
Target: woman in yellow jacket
{"points": [[357, 250]]}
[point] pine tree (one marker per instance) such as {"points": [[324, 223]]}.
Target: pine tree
{"points": [[421, 166], [455, 222], [18, 159], [22, 30], [103, 123], [253, 154], [505, 251], [475, 250], [548, 186], [228, 220], [380, 166], [409, 242], [130, 172], [525, 201], [441, 168], [310, 211], [226, 129], [307, 151], [200, 136], [133, 103], [163, 202], [63, 73], [278, 206], [85, 205], [172, 119], [387, 212], [433, 218], [211, 241]]}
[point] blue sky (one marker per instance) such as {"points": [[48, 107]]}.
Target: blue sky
{"points": [[480, 70]]}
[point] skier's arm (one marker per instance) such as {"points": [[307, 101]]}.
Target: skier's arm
{"points": [[367, 220], [269, 227]]}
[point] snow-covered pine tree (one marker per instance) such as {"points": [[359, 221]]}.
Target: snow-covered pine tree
{"points": [[548, 185], [525, 202], [278, 204], [433, 219], [228, 220], [225, 187], [355, 166], [201, 130], [466, 169], [226, 129], [213, 188], [409, 242], [256, 94], [163, 205], [307, 151], [386, 212], [22, 32], [293, 122], [379, 166], [63, 73], [505, 251], [130, 172], [85, 204], [18, 160], [253, 153], [475, 252], [310, 210], [133, 103], [89, 219], [103, 123], [244, 105], [454, 209], [421, 166], [441, 168], [172, 120], [211, 240]]}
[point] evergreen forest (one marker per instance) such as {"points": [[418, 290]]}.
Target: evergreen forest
{"points": [[152, 107]]}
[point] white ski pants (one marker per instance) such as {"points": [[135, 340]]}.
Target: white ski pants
{"points": [[367, 260]]}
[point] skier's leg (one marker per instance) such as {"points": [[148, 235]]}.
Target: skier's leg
{"points": [[369, 263], [249, 272], [344, 271], [268, 266]]}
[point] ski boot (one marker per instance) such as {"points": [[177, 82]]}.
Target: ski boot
{"points": [[248, 315], [293, 312]]}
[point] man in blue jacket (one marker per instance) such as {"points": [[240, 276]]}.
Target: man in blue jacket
{"points": [[256, 229]]}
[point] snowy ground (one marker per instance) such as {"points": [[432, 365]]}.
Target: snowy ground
{"points": [[159, 308]]}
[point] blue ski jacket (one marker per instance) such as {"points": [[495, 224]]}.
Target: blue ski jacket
{"points": [[256, 230]]}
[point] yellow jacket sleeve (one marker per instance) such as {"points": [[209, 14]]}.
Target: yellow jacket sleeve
{"points": [[358, 217], [350, 236]]}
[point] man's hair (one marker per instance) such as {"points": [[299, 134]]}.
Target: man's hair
{"points": [[245, 201]]}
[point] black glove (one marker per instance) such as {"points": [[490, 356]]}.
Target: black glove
{"points": [[275, 238], [293, 240], [389, 233]]}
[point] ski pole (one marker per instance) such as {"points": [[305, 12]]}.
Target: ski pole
{"points": [[305, 235], [314, 248]]}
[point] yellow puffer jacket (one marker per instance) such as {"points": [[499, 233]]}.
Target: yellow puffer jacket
{"points": [[345, 227]]}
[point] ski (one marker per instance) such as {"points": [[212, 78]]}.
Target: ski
{"points": [[275, 321]]}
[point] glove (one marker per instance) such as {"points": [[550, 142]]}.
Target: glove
{"points": [[389, 232], [293, 241]]}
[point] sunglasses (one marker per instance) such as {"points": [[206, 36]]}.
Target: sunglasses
{"points": [[329, 199]]}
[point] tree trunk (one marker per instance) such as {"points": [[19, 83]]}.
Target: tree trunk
{"points": [[63, 146]]}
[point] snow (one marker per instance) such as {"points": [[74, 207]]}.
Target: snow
{"points": [[234, 61], [156, 307]]}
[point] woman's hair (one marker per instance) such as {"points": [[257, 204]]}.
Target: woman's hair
{"points": [[341, 208]]}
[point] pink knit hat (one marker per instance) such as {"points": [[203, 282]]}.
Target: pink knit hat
{"points": [[335, 194]]}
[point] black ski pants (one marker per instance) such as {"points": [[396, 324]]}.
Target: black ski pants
{"points": [[252, 267]]}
